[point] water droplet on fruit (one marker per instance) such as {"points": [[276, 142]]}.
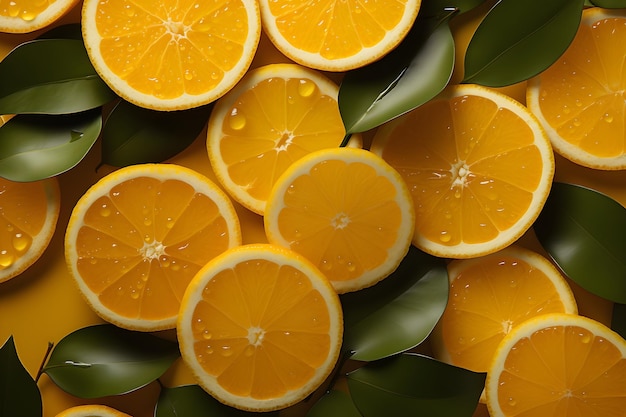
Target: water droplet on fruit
{"points": [[21, 242], [306, 88], [236, 121]]}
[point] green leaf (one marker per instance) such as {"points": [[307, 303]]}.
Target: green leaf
{"points": [[609, 4], [518, 39], [334, 404], [410, 385], [399, 312], [19, 394], [35, 146], [618, 321], [436, 7], [191, 401], [413, 73], [583, 231], [134, 135], [103, 360], [50, 76]]}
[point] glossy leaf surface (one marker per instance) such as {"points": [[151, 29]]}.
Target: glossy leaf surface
{"points": [[518, 39], [417, 70], [410, 385], [37, 146], [334, 404], [583, 231], [399, 312], [134, 135], [193, 401], [19, 394], [50, 76], [105, 360], [437, 7]]}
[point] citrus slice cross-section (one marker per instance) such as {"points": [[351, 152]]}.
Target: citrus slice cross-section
{"points": [[337, 35], [29, 212], [581, 98], [274, 116], [260, 327], [492, 294], [23, 16], [137, 237], [92, 410], [558, 365], [170, 54], [479, 167], [347, 211]]}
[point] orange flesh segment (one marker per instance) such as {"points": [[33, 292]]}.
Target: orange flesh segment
{"points": [[585, 379], [259, 129], [513, 287], [188, 49], [356, 222], [142, 258], [476, 179], [335, 37], [24, 9], [240, 330], [584, 96], [23, 211]]}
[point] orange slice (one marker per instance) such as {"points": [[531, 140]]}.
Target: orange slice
{"points": [[558, 365], [28, 212], [274, 116], [169, 54], [347, 211], [580, 99], [337, 35], [23, 16], [260, 327], [137, 237], [491, 295], [479, 167], [92, 410]]}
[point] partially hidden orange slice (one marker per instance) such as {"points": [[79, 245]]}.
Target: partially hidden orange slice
{"points": [[137, 237], [29, 212], [479, 167]]}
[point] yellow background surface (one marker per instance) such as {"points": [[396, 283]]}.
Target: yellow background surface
{"points": [[43, 305]]}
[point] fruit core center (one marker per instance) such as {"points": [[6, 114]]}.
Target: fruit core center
{"points": [[340, 221], [460, 172], [176, 29], [152, 250], [283, 141], [255, 335], [507, 325]]}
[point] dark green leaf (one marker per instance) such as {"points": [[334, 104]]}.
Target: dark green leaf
{"points": [[192, 401], [50, 76], [69, 31], [416, 71], [334, 404], [105, 360], [134, 135], [36, 146], [609, 4], [436, 7], [618, 322], [19, 395], [519, 39], [583, 231], [399, 312], [410, 385]]}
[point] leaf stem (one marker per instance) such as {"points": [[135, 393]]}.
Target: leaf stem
{"points": [[43, 361]]}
